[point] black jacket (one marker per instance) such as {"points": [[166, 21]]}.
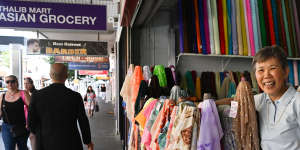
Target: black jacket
{"points": [[53, 115]]}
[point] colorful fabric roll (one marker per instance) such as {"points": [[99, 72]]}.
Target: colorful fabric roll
{"points": [[215, 26], [159, 71], [180, 20], [206, 26], [244, 28], [239, 28], [247, 27], [221, 26], [234, 28], [202, 29], [262, 23], [255, 25], [224, 6], [274, 14], [293, 30], [281, 26], [297, 25], [291, 73], [229, 26], [295, 65], [290, 27], [271, 22], [286, 28], [197, 25], [211, 30], [250, 27]]}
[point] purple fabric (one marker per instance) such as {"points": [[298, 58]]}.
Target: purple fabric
{"points": [[210, 127], [180, 26]]}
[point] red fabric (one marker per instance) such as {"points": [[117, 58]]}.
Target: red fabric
{"points": [[221, 27], [197, 26], [271, 22], [268, 40], [25, 105]]}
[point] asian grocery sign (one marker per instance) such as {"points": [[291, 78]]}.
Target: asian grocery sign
{"points": [[52, 15], [66, 47]]}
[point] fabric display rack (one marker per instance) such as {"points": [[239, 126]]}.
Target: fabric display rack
{"points": [[238, 27], [161, 119]]}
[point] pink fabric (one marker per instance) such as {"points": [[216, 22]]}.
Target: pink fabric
{"points": [[174, 113], [250, 27], [146, 137], [296, 78], [206, 27]]}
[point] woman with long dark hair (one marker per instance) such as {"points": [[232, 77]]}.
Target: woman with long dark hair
{"points": [[90, 96]]}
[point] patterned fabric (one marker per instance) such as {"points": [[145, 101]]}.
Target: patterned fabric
{"points": [[181, 134]]}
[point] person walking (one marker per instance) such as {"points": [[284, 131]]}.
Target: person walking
{"points": [[13, 104], [54, 112], [30, 88], [103, 91], [90, 96]]}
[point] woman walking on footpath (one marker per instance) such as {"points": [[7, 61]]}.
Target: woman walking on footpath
{"points": [[13, 104], [90, 96]]}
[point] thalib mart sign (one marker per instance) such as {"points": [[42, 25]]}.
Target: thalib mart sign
{"points": [[52, 15]]}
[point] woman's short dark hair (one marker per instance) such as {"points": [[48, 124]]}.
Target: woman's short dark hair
{"points": [[271, 52]]}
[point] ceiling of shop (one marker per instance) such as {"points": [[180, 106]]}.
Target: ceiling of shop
{"points": [[108, 35]]}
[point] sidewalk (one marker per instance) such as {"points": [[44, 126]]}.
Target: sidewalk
{"points": [[102, 129]]}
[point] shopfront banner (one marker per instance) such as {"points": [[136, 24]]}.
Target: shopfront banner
{"points": [[23, 14], [93, 72], [88, 66], [65, 59], [65, 48]]}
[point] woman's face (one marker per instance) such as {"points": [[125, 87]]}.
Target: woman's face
{"points": [[11, 83], [27, 85], [271, 77], [90, 88]]}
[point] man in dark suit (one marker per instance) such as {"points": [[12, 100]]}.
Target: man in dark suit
{"points": [[53, 115]]}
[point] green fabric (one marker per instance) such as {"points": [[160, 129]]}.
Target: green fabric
{"points": [[284, 11], [232, 90], [262, 23], [295, 46], [159, 71], [190, 83]]}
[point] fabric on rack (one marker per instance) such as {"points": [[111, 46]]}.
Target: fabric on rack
{"points": [[160, 121], [190, 83], [215, 26], [136, 80], [247, 76], [181, 134], [234, 28], [262, 23], [239, 27], [170, 81], [194, 75], [274, 14], [296, 81], [180, 20], [293, 30], [225, 87], [247, 27], [163, 136], [154, 89], [218, 83], [211, 132], [265, 11], [258, 25], [191, 27], [282, 34], [250, 27], [175, 93], [221, 27], [206, 26], [271, 22], [172, 67], [255, 24], [286, 28], [144, 114], [186, 28], [228, 140], [245, 124], [147, 73], [291, 73], [279, 32], [147, 137], [173, 116], [197, 25], [208, 84], [141, 96], [290, 26], [243, 28], [159, 71], [126, 90], [232, 90], [254, 82], [198, 88], [295, 6], [224, 6], [202, 28], [195, 133], [210, 25], [229, 26]]}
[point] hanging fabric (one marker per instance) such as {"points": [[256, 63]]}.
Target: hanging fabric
{"points": [[221, 27], [126, 90], [197, 25], [239, 28], [215, 26], [234, 28], [210, 25], [245, 124]]}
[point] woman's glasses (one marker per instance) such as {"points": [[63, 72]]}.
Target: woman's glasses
{"points": [[10, 81]]}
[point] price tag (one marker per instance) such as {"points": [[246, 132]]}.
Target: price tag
{"points": [[233, 109]]}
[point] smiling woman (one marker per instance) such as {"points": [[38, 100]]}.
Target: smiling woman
{"points": [[278, 106]]}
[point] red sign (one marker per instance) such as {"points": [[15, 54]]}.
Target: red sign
{"points": [[93, 72]]}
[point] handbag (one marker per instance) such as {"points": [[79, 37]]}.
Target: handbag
{"points": [[96, 108], [15, 130]]}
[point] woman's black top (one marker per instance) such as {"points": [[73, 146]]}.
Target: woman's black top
{"points": [[14, 111]]}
